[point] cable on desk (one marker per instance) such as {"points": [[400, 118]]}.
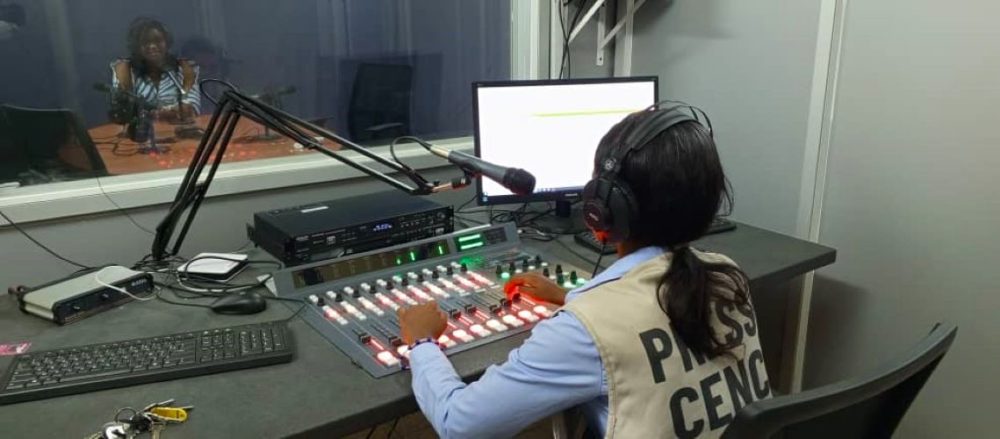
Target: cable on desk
{"points": [[42, 246], [122, 210], [576, 253]]}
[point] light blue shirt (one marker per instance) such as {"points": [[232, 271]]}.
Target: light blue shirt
{"points": [[556, 368]]}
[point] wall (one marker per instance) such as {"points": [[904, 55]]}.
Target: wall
{"points": [[111, 238], [910, 204], [749, 65]]}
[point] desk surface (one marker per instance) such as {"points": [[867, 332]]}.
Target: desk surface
{"points": [[122, 156], [320, 393]]}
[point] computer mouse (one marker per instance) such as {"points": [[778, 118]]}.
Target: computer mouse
{"points": [[247, 302]]}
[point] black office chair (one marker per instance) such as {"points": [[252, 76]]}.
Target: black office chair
{"points": [[43, 145], [380, 102], [868, 407]]}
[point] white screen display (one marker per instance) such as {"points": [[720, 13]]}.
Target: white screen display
{"points": [[552, 130]]}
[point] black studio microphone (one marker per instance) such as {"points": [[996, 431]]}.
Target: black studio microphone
{"points": [[516, 180], [116, 92]]}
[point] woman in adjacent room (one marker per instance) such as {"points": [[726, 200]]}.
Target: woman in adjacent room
{"points": [[663, 343], [151, 73]]}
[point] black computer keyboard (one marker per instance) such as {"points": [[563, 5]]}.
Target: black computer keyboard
{"points": [[588, 240], [82, 369]]}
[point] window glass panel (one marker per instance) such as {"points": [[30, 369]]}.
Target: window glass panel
{"points": [[109, 87]]}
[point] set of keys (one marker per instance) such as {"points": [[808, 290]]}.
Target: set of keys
{"points": [[130, 423]]}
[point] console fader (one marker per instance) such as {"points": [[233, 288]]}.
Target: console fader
{"points": [[353, 300]]}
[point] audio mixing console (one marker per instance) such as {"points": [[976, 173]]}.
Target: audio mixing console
{"points": [[353, 300]]}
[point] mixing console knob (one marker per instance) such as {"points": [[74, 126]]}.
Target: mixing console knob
{"points": [[499, 271], [559, 269], [435, 275], [411, 275], [315, 299], [420, 278], [560, 279], [465, 267], [573, 277], [524, 264], [441, 268], [511, 268], [381, 283], [451, 271], [405, 282], [426, 272], [397, 279], [348, 291], [545, 272], [538, 259], [366, 287]]}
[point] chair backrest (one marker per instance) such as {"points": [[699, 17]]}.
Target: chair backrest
{"points": [[867, 407], [49, 141], [380, 99]]}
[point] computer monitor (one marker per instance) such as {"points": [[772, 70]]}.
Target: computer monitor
{"points": [[551, 129]]}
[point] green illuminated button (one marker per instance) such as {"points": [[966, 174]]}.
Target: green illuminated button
{"points": [[505, 275], [581, 281], [567, 284]]}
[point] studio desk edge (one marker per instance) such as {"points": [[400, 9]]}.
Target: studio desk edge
{"points": [[320, 393]]}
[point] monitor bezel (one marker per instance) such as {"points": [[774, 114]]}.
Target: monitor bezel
{"points": [[567, 195]]}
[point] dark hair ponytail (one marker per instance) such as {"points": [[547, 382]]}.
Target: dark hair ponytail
{"points": [[679, 186], [688, 291]]}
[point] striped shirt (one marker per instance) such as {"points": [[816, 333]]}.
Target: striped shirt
{"points": [[166, 93]]}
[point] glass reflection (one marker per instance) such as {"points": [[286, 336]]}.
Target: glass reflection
{"points": [[109, 87]]}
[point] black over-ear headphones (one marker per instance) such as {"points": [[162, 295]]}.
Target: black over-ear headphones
{"points": [[609, 208]]}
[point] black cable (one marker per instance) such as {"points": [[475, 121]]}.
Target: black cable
{"points": [[42, 246], [393, 428], [201, 88], [122, 210], [565, 54], [598, 263], [392, 151], [371, 432], [572, 25], [575, 253]]}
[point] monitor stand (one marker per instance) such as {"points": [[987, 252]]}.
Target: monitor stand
{"points": [[565, 220]]}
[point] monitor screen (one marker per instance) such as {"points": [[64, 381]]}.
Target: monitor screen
{"points": [[551, 129]]}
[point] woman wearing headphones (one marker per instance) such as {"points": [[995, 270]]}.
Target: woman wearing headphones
{"points": [[663, 343]]}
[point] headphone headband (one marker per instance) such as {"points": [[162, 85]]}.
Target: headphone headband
{"points": [[650, 128], [609, 205]]}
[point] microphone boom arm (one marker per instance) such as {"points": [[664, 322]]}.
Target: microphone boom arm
{"points": [[230, 108]]}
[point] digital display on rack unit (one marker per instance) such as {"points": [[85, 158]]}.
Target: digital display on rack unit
{"points": [[354, 266], [476, 240]]}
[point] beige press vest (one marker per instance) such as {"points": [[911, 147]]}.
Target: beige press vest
{"points": [[657, 388]]}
